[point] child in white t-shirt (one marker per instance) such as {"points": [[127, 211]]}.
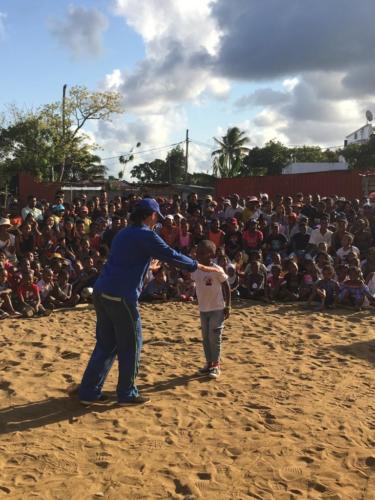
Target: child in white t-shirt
{"points": [[213, 294]]}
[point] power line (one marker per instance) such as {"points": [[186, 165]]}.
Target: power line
{"points": [[159, 148], [204, 144]]}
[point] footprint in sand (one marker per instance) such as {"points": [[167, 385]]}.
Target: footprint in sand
{"points": [[102, 460], [291, 473], [5, 386], [307, 460], [314, 485], [70, 355], [39, 344]]}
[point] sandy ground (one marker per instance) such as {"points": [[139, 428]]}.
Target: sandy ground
{"points": [[291, 417]]}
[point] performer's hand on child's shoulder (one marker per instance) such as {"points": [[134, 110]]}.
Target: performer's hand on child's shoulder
{"points": [[209, 269]]}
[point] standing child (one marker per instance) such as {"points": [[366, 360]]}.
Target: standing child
{"points": [[213, 295]]}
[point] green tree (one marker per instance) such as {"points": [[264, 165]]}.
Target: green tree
{"points": [[47, 146], [172, 169], [312, 154], [360, 156], [154, 171], [176, 165], [270, 159], [228, 158]]}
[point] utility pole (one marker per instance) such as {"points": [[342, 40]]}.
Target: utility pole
{"points": [[186, 155], [63, 132]]}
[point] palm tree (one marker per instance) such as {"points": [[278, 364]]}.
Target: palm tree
{"points": [[228, 158]]}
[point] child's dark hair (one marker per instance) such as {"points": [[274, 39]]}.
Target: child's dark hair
{"points": [[207, 245], [328, 268]]}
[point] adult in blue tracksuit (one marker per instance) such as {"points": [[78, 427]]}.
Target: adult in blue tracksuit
{"points": [[116, 293]]}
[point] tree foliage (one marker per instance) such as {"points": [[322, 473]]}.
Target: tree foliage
{"points": [[360, 156], [270, 159], [49, 147], [171, 170], [228, 158]]}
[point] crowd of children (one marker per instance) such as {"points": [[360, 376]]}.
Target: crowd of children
{"points": [[304, 248]]}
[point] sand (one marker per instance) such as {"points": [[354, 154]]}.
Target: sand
{"points": [[292, 415]]}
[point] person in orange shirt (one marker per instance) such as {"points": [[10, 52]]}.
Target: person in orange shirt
{"points": [[169, 231], [215, 234]]}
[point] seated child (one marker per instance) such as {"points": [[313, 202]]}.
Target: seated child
{"points": [[342, 273], [274, 283], [275, 261], [325, 290], [346, 248], [309, 278], [185, 287], [254, 283], [292, 283], [28, 295], [214, 304], [354, 291], [6, 306], [157, 288], [85, 280], [233, 280], [45, 286], [62, 290]]}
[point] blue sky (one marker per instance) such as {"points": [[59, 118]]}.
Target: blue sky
{"points": [[198, 64]]}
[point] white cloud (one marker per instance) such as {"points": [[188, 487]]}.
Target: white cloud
{"points": [[81, 31], [290, 83], [194, 50], [3, 17], [176, 36]]}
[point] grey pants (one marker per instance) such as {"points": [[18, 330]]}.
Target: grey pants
{"points": [[212, 323]]}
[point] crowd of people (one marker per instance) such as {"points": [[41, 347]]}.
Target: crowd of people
{"points": [[320, 251]]}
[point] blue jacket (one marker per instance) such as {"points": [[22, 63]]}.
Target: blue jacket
{"points": [[131, 253]]}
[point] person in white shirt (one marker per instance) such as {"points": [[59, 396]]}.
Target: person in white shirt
{"points": [[347, 248], [321, 235], [213, 293], [32, 209], [7, 240], [234, 209]]}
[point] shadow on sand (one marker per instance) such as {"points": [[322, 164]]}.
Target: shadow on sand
{"points": [[20, 418], [363, 350]]}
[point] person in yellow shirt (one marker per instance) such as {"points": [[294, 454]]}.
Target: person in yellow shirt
{"points": [[83, 215]]}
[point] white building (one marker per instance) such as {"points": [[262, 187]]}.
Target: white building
{"points": [[307, 168], [360, 136]]}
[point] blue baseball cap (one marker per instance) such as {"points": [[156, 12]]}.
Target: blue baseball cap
{"points": [[149, 204]]}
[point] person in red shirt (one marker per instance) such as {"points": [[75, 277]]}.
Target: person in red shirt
{"points": [[28, 295], [252, 238]]}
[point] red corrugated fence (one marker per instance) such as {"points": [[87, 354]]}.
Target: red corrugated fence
{"points": [[342, 183]]}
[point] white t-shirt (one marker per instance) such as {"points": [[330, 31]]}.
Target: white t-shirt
{"points": [[342, 253], [208, 289], [317, 237]]}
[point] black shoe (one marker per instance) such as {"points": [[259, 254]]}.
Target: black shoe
{"points": [[136, 400], [205, 370], [101, 399]]}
